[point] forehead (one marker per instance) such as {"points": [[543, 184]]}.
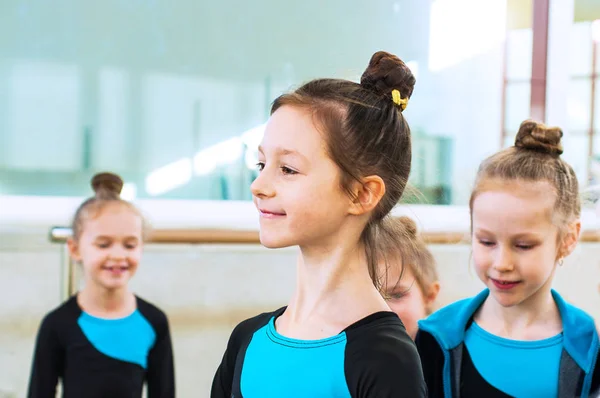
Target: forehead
{"points": [[514, 205], [293, 128], [113, 220], [393, 277]]}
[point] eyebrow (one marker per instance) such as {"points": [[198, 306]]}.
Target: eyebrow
{"points": [[528, 235], [399, 288], [104, 237], [517, 236], [283, 151]]}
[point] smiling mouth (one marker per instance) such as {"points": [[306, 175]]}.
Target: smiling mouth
{"points": [[116, 269], [270, 214], [504, 285]]}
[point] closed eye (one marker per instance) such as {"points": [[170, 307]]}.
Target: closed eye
{"points": [[397, 296], [486, 243], [525, 247]]}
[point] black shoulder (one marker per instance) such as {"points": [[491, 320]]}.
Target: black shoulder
{"points": [[243, 331], [240, 336], [57, 322], [382, 360], [60, 316], [247, 327], [49, 353], [432, 360], [157, 318]]}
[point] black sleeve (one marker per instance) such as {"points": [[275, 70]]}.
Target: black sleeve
{"points": [[223, 382], [432, 360], [383, 362], [595, 389], [48, 361], [161, 370]]}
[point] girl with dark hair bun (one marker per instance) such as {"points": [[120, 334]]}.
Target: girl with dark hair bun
{"points": [[104, 341], [334, 160]]}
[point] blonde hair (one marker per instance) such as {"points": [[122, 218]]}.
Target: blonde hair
{"points": [[107, 190], [404, 243], [535, 157]]}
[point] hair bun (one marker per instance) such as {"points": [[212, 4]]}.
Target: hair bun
{"points": [[107, 185], [538, 137], [385, 73], [409, 226]]}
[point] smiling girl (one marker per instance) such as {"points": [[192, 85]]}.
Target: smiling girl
{"points": [[334, 160], [518, 337], [104, 341]]}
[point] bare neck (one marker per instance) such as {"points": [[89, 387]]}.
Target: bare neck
{"points": [[106, 303], [333, 290], [535, 319]]}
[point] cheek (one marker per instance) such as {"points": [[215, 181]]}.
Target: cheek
{"points": [[539, 263], [134, 257], [136, 253], [551, 253], [314, 205], [409, 309], [93, 258], [481, 258]]}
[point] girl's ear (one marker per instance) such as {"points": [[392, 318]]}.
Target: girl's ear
{"points": [[431, 295], [73, 249], [367, 194], [570, 239]]}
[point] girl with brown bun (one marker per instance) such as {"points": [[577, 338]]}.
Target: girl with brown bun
{"points": [[334, 161], [104, 341]]}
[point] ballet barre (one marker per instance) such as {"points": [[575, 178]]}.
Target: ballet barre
{"points": [[230, 236]]}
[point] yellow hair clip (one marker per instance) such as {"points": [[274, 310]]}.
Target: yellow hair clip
{"points": [[398, 100]]}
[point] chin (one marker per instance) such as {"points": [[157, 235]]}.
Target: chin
{"points": [[273, 242], [506, 303], [115, 285], [508, 300]]}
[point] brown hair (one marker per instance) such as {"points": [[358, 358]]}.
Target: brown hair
{"points": [[107, 188], [365, 132], [404, 243], [535, 157]]}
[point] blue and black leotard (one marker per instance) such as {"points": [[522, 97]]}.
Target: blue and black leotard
{"points": [[373, 358], [95, 357]]}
